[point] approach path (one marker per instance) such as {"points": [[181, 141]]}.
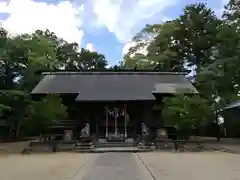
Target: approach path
{"points": [[115, 166], [213, 165]]}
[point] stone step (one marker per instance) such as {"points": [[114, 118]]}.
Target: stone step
{"points": [[114, 149], [115, 144], [84, 145], [105, 146]]}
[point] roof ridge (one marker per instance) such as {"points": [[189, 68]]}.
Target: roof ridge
{"points": [[112, 72]]}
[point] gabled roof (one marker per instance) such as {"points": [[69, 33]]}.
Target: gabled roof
{"points": [[112, 86], [235, 104]]}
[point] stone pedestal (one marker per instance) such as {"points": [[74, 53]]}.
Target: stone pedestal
{"points": [[68, 135]]}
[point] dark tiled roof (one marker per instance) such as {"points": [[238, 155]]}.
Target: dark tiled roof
{"points": [[235, 104], [100, 86]]}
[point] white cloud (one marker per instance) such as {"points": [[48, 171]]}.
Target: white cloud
{"points": [[26, 16], [142, 50], [225, 2], [124, 18], [220, 10], [108, 66], [127, 46], [3, 7], [90, 47], [142, 44]]}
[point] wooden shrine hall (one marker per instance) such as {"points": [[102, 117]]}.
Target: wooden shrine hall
{"points": [[114, 104]]}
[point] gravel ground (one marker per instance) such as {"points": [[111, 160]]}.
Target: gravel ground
{"points": [[193, 166], [60, 166]]}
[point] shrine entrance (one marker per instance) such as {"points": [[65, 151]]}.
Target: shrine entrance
{"points": [[116, 122]]}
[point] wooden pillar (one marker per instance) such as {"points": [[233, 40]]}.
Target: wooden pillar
{"points": [[106, 122], [125, 121], [115, 123], [96, 126]]}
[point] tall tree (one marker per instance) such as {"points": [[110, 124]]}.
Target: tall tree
{"points": [[22, 56], [222, 76], [185, 41], [196, 35]]}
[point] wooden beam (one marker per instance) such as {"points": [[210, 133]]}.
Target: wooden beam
{"points": [[125, 121], [106, 122]]}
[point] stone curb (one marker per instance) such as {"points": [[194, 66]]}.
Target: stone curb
{"points": [[226, 150]]}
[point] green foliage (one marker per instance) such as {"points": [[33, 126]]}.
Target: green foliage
{"points": [[42, 114], [21, 58], [13, 102], [186, 111], [221, 78], [197, 30], [187, 40], [232, 12], [12, 108]]}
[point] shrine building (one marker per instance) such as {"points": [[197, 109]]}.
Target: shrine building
{"points": [[113, 103]]}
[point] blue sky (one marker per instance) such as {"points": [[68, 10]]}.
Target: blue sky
{"points": [[105, 26]]}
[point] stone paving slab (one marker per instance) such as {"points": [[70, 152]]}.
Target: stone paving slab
{"points": [[117, 166], [193, 166]]}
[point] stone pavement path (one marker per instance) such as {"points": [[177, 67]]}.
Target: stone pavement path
{"points": [[115, 166], [212, 165], [193, 166]]}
